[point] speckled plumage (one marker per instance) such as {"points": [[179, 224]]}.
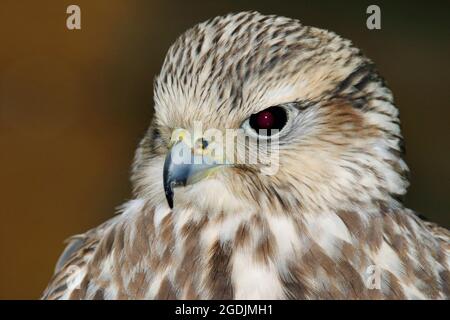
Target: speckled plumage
{"points": [[313, 230]]}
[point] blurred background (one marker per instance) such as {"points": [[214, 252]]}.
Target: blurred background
{"points": [[74, 104]]}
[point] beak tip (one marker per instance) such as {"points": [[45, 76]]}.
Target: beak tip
{"points": [[169, 197], [170, 203]]}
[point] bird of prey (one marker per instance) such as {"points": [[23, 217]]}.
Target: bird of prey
{"points": [[328, 223]]}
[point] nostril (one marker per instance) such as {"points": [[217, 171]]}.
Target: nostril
{"points": [[202, 143]]}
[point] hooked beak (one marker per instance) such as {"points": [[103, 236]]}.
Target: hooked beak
{"points": [[183, 166]]}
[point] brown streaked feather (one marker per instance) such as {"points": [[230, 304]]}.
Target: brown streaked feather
{"points": [[78, 252]]}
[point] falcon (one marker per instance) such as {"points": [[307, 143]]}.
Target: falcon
{"points": [[319, 215]]}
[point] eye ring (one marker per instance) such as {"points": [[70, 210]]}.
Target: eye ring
{"points": [[262, 124]]}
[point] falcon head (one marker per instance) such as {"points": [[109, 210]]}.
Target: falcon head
{"points": [[315, 111]]}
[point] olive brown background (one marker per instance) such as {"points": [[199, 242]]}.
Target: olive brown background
{"points": [[74, 104]]}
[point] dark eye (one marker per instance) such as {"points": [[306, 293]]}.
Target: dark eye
{"points": [[273, 118]]}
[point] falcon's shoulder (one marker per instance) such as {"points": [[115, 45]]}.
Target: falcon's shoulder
{"points": [[74, 260], [438, 231]]}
